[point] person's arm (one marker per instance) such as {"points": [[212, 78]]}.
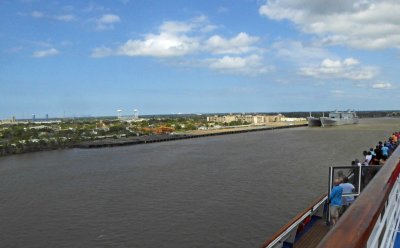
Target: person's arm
{"points": [[333, 192]]}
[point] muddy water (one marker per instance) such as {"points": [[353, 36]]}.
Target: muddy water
{"points": [[223, 191]]}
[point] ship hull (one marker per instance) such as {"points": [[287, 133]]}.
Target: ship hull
{"points": [[326, 122], [314, 122]]}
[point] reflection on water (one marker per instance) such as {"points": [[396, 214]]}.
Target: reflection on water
{"points": [[223, 191]]}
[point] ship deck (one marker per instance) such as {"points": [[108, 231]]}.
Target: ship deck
{"points": [[313, 236]]}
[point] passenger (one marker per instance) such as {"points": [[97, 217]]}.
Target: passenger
{"points": [[373, 159], [348, 188], [372, 152], [390, 146], [394, 137], [368, 158], [369, 155], [378, 153], [335, 199], [385, 151], [341, 176]]}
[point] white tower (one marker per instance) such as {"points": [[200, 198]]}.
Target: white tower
{"points": [[135, 114], [119, 113]]}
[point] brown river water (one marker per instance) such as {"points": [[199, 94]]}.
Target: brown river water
{"points": [[220, 191]]}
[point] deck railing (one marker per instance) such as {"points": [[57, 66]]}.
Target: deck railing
{"points": [[287, 233], [364, 224]]}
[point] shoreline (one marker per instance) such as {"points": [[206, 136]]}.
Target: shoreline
{"points": [[171, 137]]}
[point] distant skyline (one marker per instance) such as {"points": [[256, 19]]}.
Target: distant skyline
{"points": [[91, 58]]}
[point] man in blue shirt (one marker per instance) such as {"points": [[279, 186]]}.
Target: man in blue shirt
{"points": [[385, 150], [335, 201]]}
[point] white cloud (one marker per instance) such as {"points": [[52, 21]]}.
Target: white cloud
{"points": [[175, 38], [346, 69], [248, 65], [178, 39], [350, 62], [242, 43], [45, 53], [366, 24], [160, 45], [65, 18], [37, 14], [106, 22], [382, 85]]}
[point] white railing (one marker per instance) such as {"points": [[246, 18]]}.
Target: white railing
{"points": [[387, 226]]}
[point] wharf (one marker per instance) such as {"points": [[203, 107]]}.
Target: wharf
{"points": [[171, 137]]}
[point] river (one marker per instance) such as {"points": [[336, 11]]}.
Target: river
{"points": [[220, 191]]}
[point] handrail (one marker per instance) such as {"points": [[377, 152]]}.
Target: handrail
{"points": [[295, 221], [356, 225]]}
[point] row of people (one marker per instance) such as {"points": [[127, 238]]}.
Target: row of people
{"points": [[381, 152], [378, 156]]}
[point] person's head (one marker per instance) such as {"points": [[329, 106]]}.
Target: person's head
{"points": [[336, 181], [353, 162], [345, 180], [364, 153], [371, 149], [369, 153]]}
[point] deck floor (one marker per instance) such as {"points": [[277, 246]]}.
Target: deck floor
{"points": [[313, 236]]}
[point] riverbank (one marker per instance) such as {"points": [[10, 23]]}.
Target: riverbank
{"points": [[135, 140], [171, 137]]}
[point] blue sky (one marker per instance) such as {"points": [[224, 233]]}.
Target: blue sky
{"points": [[81, 58]]}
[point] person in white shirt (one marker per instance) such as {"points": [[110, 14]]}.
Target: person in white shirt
{"points": [[348, 188]]}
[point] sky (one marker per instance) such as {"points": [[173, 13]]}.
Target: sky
{"points": [[91, 58]]}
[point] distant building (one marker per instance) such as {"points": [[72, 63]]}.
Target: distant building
{"points": [[253, 119], [293, 119]]}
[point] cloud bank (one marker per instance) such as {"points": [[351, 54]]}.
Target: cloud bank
{"points": [[178, 39], [340, 69], [366, 24]]}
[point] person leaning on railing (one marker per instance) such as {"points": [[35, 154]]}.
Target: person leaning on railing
{"points": [[335, 199]]}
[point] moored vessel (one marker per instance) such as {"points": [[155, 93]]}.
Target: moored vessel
{"points": [[339, 118], [313, 121]]}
